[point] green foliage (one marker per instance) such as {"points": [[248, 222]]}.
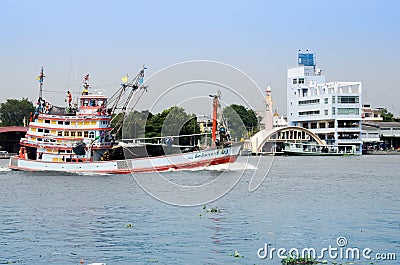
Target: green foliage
{"points": [[386, 115], [13, 111], [242, 122], [173, 121], [135, 124]]}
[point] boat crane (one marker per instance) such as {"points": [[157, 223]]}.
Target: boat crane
{"points": [[135, 84]]}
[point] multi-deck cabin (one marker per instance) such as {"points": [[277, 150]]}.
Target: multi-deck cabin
{"points": [[70, 135]]}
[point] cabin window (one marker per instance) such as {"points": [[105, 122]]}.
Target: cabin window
{"points": [[93, 103], [86, 102], [46, 131], [67, 123], [73, 134], [104, 122], [47, 121], [59, 133], [40, 130], [79, 134], [86, 134], [93, 122], [66, 133], [60, 122], [91, 134]]}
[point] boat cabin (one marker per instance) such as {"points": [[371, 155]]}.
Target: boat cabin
{"points": [[92, 105]]}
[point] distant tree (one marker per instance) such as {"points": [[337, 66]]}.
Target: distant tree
{"points": [[242, 122], [135, 124], [173, 121], [386, 115], [13, 111]]}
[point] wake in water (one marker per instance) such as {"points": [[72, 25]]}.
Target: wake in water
{"points": [[4, 169]]}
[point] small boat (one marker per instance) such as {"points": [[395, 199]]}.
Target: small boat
{"points": [[78, 139], [312, 149]]}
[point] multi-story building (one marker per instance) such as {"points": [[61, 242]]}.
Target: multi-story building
{"points": [[330, 110], [371, 115]]}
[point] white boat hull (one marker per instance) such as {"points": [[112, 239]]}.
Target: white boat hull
{"points": [[149, 164]]}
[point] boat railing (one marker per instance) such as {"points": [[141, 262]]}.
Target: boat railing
{"points": [[160, 139]]}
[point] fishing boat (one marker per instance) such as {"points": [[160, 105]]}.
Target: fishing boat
{"points": [[78, 138], [312, 149]]}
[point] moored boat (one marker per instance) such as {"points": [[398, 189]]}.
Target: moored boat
{"points": [[78, 139], [312, 149]]}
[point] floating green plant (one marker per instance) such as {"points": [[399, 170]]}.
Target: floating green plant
{"points": [[236, 254], [298, 260]]}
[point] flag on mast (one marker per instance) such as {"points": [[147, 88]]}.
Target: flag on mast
{"points": [[125, 79], [86, 78], [41, 77]]}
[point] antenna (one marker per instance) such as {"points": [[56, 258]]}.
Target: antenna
{"points": [[40, 78]]}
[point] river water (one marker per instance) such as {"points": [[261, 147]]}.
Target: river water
{"points": [[304, 202]]}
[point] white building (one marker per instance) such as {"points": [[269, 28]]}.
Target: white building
{"points": [[330, 110]]}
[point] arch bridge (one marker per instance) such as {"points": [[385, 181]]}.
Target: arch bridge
{"points": [[281, 135]]}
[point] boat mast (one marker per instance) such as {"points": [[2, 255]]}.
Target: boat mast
{"points": [[214, 118], [40, 78]]}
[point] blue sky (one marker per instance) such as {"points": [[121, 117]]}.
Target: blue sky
{"points": [[353, 41]]}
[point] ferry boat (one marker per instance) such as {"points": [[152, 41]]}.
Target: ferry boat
{"points": [[312, 149], [78, 139]]}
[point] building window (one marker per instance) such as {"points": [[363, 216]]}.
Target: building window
{"points": [[295, 81], [307, 113], [310, 101], [333, 110], [301, 80], [326, 100], [348, 99], [326, 112], [348, 111], [333, 99]]}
